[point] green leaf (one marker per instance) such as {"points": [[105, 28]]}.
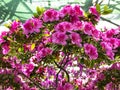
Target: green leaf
{"points": [[98, 8], [107, 12], [35, 15], [106, 7], [40, 10], [92, 63], [32, 46], [21, 49]]}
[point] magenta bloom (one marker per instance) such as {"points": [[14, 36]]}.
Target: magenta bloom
{"points": [[110, 54], [115, 42], [67, 86], [109, 86], [78, 11], [107, 46], [43, 52], [64, 27], [32, 25], [93, 11], [14, 26], [91, 51], [110, 33], [59, 38], [78, 25], [1, 37], [50, 15], [74, 19], [100, 76], [96, 34], [67, 10], [75, 38], [27, 69], [116, 66], [88, 28], [5, 48], [3, 32]]}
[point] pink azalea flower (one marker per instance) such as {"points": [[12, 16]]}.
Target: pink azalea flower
{"points": [[43, 52], [67, 86], [74, 19], [5, 48], [88, 28], [27, 69], [32, 25], [9, 88], [59, 38], [33, 88], [50, 15], [110, 54], [66, 10], [78, 25], [75, 38], [78, 11], [63, 27], [100, 76], [3, 32], [91, 51], [14, 26], [110, 33], [109, 86], [96, 34], [116, 66], [114, 42], [1, 37], [93, 11], [60, 87], [107, 46]]}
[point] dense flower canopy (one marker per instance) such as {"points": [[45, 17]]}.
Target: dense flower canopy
{"points": [[60, 50]]}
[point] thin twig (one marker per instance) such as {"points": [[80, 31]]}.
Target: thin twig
{"points": [[61, 68], [110, 21], [36, 84]]}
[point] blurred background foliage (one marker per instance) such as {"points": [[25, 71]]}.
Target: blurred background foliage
{"points": [[24, 9]]}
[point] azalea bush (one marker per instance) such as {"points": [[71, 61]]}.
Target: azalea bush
{"points": [[60, 50]]}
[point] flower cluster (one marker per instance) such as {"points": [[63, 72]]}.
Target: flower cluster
{"points": [[59, 50], [91, 51]]}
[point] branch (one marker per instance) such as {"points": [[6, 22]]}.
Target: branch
{"points": [[36, 84], [61, 68], [110, 21]]}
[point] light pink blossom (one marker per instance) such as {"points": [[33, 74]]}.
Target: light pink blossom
{"points": [[50, 15], [5, 48], [59, 38], [64, 27], [67, 86], [14, 26], [88, 28], [78, 11], [93, 11], [27, 69], [75, 38], [66, 10], [32, 25], [91, 51], [78, 25], [110, 54]]}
